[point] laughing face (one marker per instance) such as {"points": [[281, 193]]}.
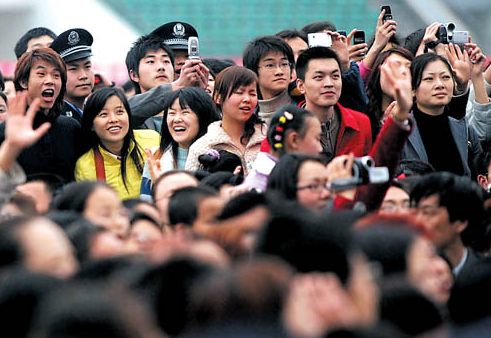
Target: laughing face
{"points": [[44, 83], [240, 104], [112, 124], [182, 123]]}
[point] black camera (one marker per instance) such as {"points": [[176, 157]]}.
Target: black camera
{"points": [[447, 34], [364, 172], [387, 14]]}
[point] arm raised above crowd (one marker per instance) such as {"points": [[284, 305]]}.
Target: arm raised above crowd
{"points": [[383, 32], [145, 105]]}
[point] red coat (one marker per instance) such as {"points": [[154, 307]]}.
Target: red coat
{"points": [[355, 133]]}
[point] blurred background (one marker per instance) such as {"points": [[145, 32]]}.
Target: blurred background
{"points": [[224, 26]]}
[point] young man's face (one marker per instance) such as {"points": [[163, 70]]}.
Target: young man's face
{"points": [[322, 84], [436, 219], [154, 69], [274, 74], [298, 45], [80, 79], [180, 57], [42, 41], [44, 82]]}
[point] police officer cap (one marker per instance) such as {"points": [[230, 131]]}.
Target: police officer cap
{"points": [[175, 34], [73, 44]]}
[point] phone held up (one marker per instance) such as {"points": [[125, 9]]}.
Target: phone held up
{"points": [[193, 48], [319, 40], [387, 14]]}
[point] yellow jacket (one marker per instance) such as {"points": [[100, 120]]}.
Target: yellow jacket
{"points": [[85, 167]]}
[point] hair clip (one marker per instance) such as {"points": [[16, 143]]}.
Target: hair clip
{"points": [[288, 115], [282, 119], [278, 145], [277, 137], [214, 153]]}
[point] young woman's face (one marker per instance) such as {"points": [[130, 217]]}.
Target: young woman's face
{"points": [[104, 208], [3, 110], [436, 88], [310, 143], [112, 123], [241, 104], [311, 185], [399, 64], [182, 123]]}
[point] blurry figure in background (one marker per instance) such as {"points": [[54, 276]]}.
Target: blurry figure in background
{"points": [[9, 90], [3, 107], [37, 244], [97, 202], [39, 37], [396, 200], [146, 232], [215, 66], [41, 188], [74, 46]]}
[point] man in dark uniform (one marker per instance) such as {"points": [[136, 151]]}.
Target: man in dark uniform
{"points": [[175, 35], [74, 46]]}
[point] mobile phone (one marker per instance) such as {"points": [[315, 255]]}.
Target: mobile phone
{"points": [[193, 48], [388, 13], [359, 37], [319, 40], [343, 33]]}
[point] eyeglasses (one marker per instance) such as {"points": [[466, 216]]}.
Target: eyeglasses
{"points": [[317, 187], [270, 66]]}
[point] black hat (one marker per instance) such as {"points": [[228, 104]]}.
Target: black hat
{"points": [[175, 34], [73, 44]]}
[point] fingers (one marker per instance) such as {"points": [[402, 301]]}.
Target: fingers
{"points": [[31, 112], [350, 36], [41, 130], [380, 17], [18, 105]]}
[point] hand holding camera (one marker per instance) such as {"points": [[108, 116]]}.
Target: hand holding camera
{"points": [[193, 74]]}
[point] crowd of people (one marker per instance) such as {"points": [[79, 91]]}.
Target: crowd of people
{"points": [[207, 198]]}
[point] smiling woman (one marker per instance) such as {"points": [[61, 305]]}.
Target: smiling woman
{"points": [[113, 152]]}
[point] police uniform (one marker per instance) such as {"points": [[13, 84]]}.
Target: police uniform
{"points": [[175, 34], [73, 44]]}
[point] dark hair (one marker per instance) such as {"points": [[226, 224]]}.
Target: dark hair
{"points": [[200, 103], [20, 293], [183, 205], [260, 47], [51, 181], [413, 40], [313, 54], [289, 34], [11, 252], [64, 218], [284, 176], [4, 97], [166, 174], [2, 85], [227, 82], [74, 195], [21, 45], [461, 197], [217, 65], [298, 123], [316, 27], [420, 63], [140, 48], [81, 234], [482, 163], [220, 178], [374, 89], [414, 167], [225, 161], [241, 204], [141, 216], [93, 107], [28, 60]]}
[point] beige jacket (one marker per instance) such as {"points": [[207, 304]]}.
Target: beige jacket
{"points": [[216, 138]]}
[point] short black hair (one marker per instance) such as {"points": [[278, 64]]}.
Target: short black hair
{"points": [[289, 34], [241, 204], [319, 26], [414, 167], [260, 47], [419, 64], [220, 178], [217, 65], [462, 198], [21, 45], [413, 40], [137, 52], [313, 54], [183, 205], [2, 85]]}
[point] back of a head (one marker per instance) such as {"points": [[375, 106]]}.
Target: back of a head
{"points": [[414, 167], [306, 242], [221, 178], [319, 26], [73, 196], [220, 160], [413, 40], [217, 65], [91, 310], [183, 205]]}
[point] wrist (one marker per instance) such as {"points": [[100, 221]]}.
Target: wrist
{"points": [[176, 85]]}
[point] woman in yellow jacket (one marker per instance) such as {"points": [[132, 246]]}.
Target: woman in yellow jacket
{"points": [[112, 151]]}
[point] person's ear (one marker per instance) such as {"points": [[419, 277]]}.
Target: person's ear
{"points": [[23, 84], [460, 225], [482, 181], [216, 98], [300, 86], [291, 140], [134, 76]]}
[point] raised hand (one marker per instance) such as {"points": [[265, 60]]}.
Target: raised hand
{"points": [[153, 165], [461, 65], [340, 46], [399, 79], [193, 74], [19, 133]]}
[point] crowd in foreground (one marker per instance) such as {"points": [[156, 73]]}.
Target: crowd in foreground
{"points": [[322, 191]]}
